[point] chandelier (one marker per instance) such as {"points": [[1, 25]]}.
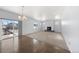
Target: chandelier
{"points": [[22, 17]]}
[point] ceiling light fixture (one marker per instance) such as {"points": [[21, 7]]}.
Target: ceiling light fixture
{"points": [[22, 17]]}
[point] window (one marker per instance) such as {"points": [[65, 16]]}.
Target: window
{"points": [[9, 28]]}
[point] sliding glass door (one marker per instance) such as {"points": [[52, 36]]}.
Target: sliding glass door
{"points": [[9, 28], [9, 35]]}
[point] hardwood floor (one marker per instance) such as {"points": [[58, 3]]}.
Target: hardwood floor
{"points": [[40, 42], [32, 45]]}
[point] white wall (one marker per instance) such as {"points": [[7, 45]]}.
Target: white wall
{"points": [[28, 26], [57, 25], [8, 15], [70, 27]]}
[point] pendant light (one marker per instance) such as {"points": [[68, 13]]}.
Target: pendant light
{"points": [[22, 17]]}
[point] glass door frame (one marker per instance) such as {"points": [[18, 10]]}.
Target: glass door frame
{"points": [[13, 26]]}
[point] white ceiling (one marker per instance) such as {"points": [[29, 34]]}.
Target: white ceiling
{"points": [[37, 12]]}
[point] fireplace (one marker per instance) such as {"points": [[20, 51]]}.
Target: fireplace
{"points": [[48, 28]]}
